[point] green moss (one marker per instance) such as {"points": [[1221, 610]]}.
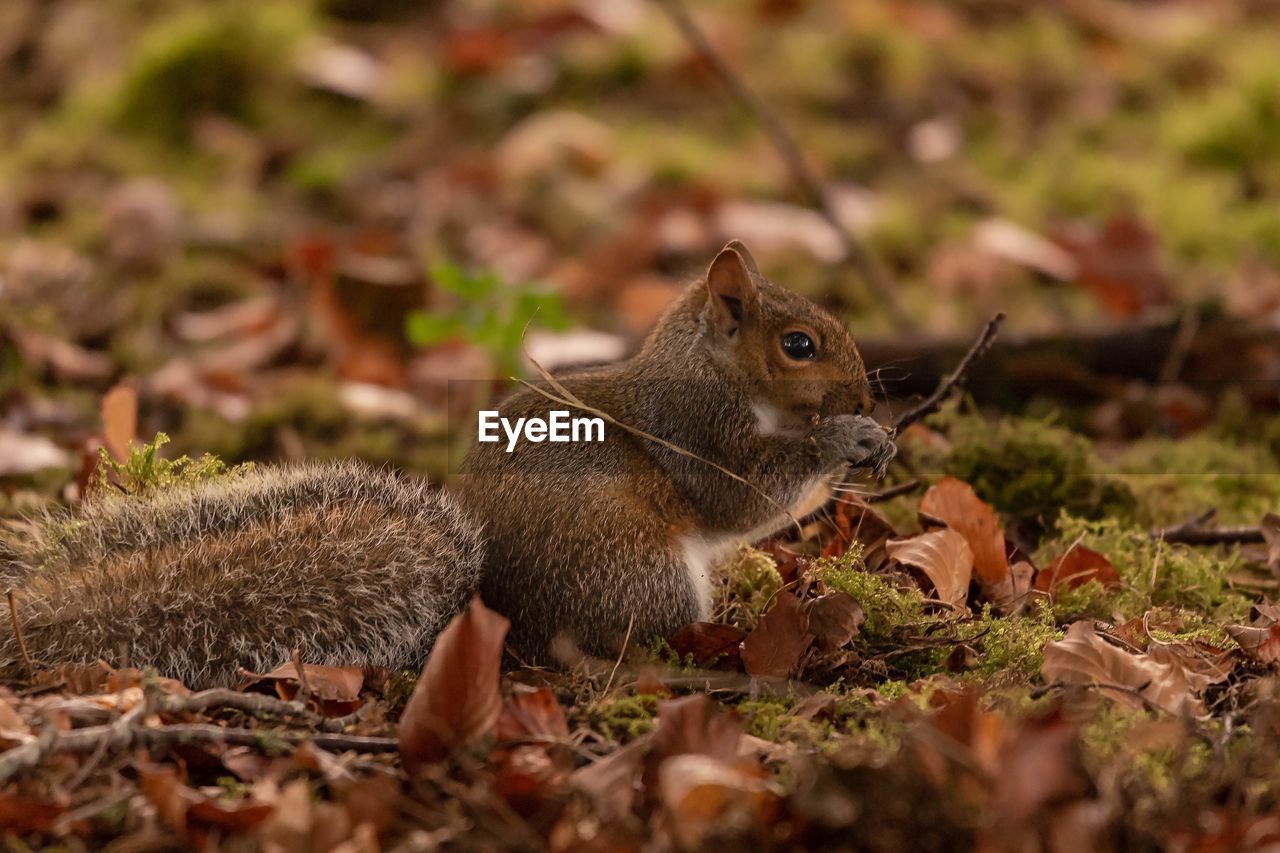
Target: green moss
{"points": [[1032, 470], [884, 603], [767, 718], [145, 471], [623, 718], [1176, 479], [1153, 573], [204, 61], [755, 578], [1012, 648]]}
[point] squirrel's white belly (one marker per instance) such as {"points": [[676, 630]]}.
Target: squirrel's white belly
{"points": [[700, 555]]}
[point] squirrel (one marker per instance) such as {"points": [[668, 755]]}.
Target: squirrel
{"points": [[742, 409]]}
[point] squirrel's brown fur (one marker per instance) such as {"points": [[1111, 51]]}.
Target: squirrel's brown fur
{"points": [[345, 562], [586, 541], [595, 542]]}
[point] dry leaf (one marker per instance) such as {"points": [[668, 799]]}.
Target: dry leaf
{"points": [[775, 647], [944, 556], [700, 794], [1201, 665], [696, 724], [532, 714], [711, 644], [834, 619], [1260, 644], [457, 699], [1076, 568], [335, 690], [119, 411], [1083, 657], [964, 512]]}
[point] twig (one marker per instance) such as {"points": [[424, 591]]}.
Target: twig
{"points": [[17, 635], [1184, 535], [304, 685], [894, 492], [125, 733], [953, 380], [856, 254], [1183, 338], [621, 654]]}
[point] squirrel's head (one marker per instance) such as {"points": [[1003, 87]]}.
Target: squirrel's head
{"points": [[803, 361]]}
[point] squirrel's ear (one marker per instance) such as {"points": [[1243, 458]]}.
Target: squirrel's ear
{"points": [[730, 286], [737, 246]]}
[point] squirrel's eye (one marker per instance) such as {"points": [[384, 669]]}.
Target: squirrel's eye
{"points": [[798, 345]]}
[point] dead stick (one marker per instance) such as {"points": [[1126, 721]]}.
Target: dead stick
{"points": [[857, 254], [17, 635], [894, 492], [122, 735], [955, 379], [1184, 535]]}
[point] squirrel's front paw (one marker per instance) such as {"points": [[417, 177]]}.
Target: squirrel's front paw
{"points": [[858, 440]]}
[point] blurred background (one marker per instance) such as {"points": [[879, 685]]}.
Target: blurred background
{"points": [[290, 224]]}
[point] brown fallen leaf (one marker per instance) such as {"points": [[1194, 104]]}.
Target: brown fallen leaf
{"points": [[119, 412], [712, 644], [1201, 665], [187, 810], [335, 690], [834, 619], [699, 725], [1260, 644], [945, 558], [457, 698], [1076, 568], [19, 814], [775, 647], [532, 714], [955, 503], [1082, 657], [818, 705], [699, 794]]}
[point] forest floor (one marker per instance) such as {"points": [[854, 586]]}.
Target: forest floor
{"points": [[277, 231]]}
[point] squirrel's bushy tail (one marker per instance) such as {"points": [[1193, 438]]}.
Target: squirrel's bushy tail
{"points": [[349, 564]]}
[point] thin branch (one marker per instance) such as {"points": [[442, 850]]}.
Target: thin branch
{"points": [[17, 635], [856, 253], [126, 733], [894, 492], [1184, 535], [955, 379]]}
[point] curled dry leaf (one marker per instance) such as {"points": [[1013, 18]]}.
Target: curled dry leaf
{"points": [[1076, 568], [1260, 644], [1201, 665], [700, 793], [775, 647], [696, 724], [457, 698], [335, 690], [834, 619], [532, 714], [1083, 657], [945, 558], [711, 644], [119, 420], [964, 512]]}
